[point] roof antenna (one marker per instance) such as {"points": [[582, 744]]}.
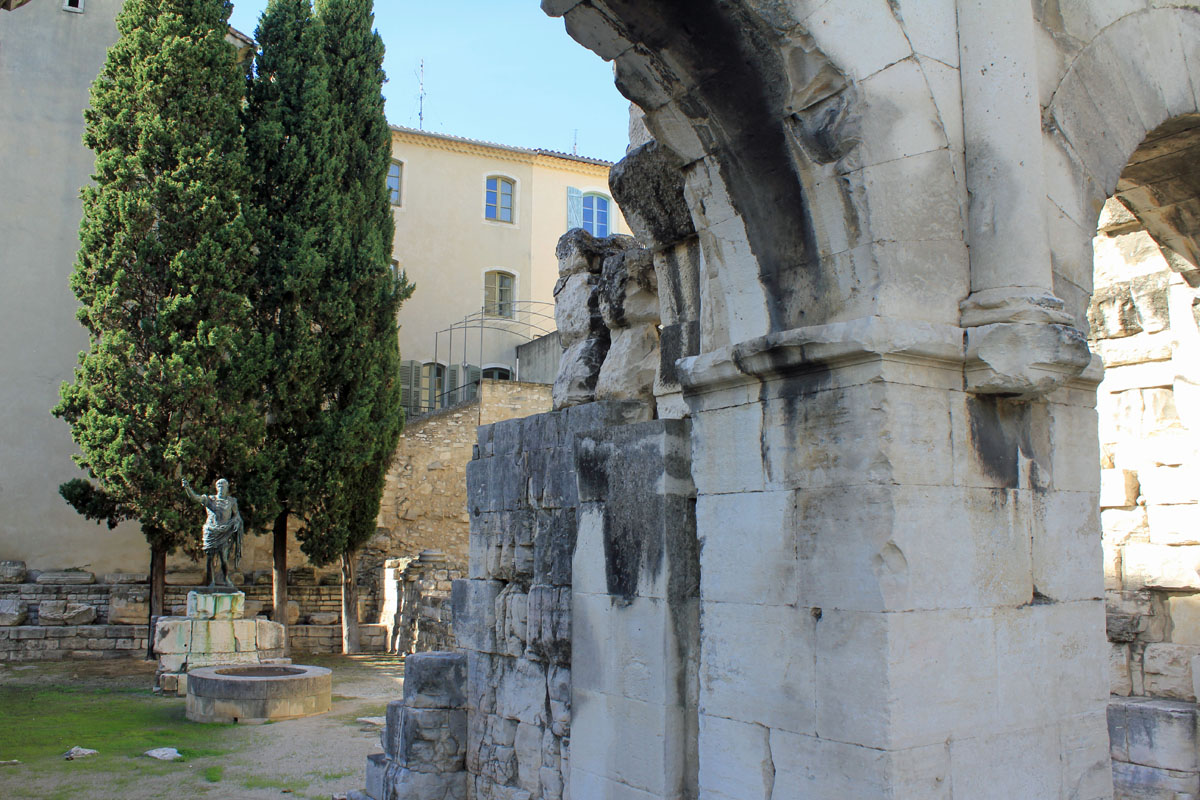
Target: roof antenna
{"points": [[421, 95], [575, 143]]}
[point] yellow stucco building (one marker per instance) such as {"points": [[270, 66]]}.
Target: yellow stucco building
{"points": [[476, 228]]}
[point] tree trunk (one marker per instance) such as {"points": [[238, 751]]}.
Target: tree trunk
{"points": [[158, 593], [350, 643], [279, 591]]}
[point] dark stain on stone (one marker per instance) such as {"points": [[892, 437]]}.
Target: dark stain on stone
{"points": [[738, 81], [792, 381], [623, 474], [1000, 436]]}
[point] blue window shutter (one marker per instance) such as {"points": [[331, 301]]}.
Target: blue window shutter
{"points": [[574, 208]]}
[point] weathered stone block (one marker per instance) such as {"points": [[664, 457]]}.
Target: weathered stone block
{"points": [[1168, 670], [188, 577], [126, 577], [1160, 567], [269, 635], [1162, 733], [216, 605], [61, 612], [521, 691], [128, 607], [1138, 782], [579, 370], [212, 636], [474, 604], [12, 571], [69, 577], [435, 680], [13, 611], [173, 635]]}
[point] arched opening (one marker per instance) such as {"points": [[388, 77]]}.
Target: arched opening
{"points": [[1143, 319]]}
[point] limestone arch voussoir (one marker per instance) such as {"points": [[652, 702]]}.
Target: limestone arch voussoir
{"points": [[771, 137], [1134, 75]]}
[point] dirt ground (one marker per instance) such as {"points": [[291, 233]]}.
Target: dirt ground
{"points": [[108, 706]]}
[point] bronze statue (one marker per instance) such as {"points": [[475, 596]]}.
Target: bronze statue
{"points": [[223, 530]]}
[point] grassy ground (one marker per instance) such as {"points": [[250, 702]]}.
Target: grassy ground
{"points": [[48, 708]]}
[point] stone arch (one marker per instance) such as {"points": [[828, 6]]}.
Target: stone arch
{"points": [[1128, 93], [785, 131]]}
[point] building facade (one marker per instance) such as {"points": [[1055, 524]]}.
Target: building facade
{"points": [[476, 228]]}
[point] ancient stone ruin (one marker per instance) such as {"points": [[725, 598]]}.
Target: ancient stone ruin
{"points": [[847, 543]]}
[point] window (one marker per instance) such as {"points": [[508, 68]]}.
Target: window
{"points": [[433, 384], [497, 374], [595, 214], [394, 176], [589, 211], [498, 200], [73, 5], [498, 294]]}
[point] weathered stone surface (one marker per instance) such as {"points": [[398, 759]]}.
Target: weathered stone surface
{"points": [[628, 289], [128, 608], [435, 680], [188, 577], [61, 612], [68, 577], [1168, 670], [1023, 358], [648, 185], [12, 571], [126, 577], [216, 605], [1161, 567], [13, 611], [630, 365], [577, 308], [579, 371], [324, 618]]}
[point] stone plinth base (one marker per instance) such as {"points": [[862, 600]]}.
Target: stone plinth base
{"points": [[214, 633], [203, 604]]}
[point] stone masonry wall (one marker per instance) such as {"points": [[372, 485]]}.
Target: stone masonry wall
{"points": [[423, 620], [513, 614], [1143, 324], [424, 499]]}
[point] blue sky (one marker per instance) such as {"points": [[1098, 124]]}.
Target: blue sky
{"points": [[498, 70]]}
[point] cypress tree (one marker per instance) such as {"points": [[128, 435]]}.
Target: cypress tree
{"points": [[288, 135], [168, 387], [364, 416]]}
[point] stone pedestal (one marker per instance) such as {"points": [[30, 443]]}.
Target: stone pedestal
{"points": [[214, 632]]}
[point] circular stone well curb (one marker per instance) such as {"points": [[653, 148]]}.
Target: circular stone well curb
{"points": [[257, 692]]}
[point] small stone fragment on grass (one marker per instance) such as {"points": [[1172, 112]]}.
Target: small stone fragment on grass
{"points": [[378, 721], [12, 763], [164, 754], [78, 752]]}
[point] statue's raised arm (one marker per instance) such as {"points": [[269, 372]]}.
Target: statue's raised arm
{"points": [[187, 487]]}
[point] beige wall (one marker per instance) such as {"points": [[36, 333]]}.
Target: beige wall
{"points": [[48, 59], [446, 245]]}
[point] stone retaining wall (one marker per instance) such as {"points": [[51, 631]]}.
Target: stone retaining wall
{"points": [[53, 643]]}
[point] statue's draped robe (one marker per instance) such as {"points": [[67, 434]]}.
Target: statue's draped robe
{"points": [[223, 529]]}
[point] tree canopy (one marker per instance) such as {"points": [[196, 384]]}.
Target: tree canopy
{"points": [[170, 384]]}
